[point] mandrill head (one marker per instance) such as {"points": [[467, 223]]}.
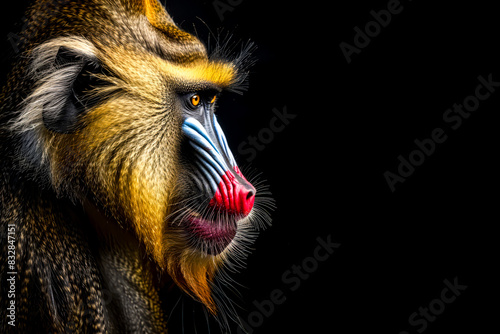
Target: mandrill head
{"points": [[122, 111]]}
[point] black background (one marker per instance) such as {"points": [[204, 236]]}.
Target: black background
{"points": [[326, 168]]}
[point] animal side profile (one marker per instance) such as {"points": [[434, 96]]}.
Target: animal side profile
{"points": [[117, 183]]}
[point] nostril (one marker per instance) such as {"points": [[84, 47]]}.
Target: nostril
{"points": [[250, 194], [248, 199]]}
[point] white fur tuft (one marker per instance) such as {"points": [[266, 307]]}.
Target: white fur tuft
{"points": [[52, 88]]}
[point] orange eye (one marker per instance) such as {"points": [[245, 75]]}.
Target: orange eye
{"points": [[195, 100], [213, 99]]}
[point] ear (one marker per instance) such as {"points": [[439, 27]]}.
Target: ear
{"points": [[63, 112]]}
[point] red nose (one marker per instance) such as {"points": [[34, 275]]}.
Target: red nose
{"points": [[235, 195]]}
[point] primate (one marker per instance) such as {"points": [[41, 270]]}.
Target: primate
{"points": [[116, 179]]}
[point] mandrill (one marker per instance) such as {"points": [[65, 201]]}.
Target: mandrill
{"points": [[116, 180]]}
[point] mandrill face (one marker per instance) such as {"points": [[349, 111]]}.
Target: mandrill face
{"points": [[124, 113], [211, 219], [215, 195]]}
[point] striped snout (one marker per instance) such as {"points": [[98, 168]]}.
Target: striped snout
{"points": [[230, 190]]}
